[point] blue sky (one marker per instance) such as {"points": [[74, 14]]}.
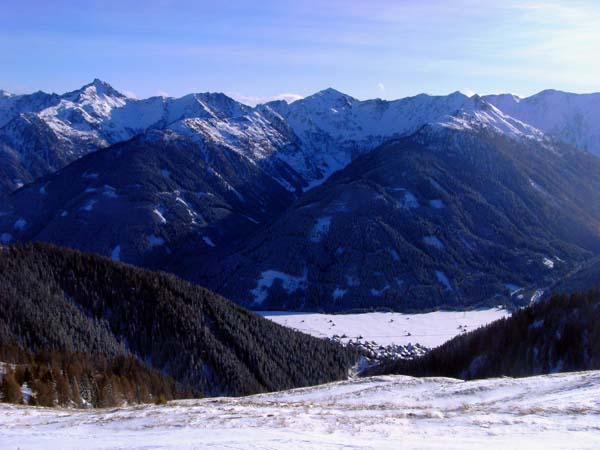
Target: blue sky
{"points": [[265, 49]]}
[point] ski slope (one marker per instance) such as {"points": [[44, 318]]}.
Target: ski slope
{"points": [[393, 412], [389, 328]]}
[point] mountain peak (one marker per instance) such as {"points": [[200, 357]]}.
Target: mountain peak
{"points": [[4, 93], [476, 102], [507, 96], [97, 98], [215, 96], [100, 88], [457, 95], [477, 113], [332, 93], [98, 81], [550, 92], [328, 97], [216, 105]]}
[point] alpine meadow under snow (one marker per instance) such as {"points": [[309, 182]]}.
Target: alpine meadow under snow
{"points": [[552, 412]]}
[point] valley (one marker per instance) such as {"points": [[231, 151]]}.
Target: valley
{"points": [[290, 225], [388, 334]]}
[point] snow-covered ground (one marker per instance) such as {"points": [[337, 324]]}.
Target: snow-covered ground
{"points": [[393, 412], [428, 329]]}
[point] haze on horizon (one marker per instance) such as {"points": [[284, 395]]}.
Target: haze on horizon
{"points": [[255, 52]]}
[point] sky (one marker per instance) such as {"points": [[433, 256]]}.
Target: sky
{"points": [[259, 50]]}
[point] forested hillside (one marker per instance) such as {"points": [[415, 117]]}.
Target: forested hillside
{"points": [[442, 219], [560, 334], [62, 378], [53, 299]]}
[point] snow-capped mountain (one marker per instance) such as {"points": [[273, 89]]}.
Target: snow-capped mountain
{"points": [[100, 114], [219, 192], [315, 136], [44, 132], [334, 128], [12, 105], [80, 115], [573, 118]]}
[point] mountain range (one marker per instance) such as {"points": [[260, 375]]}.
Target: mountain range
{"points": [[327, 203]]}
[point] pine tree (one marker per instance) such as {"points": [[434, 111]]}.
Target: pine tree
{"points": [[63, 390], [11, 391]]}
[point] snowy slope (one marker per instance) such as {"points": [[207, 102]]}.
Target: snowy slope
{"points": [[387, 328], [251, 135], [573, 118], [334, 127], [331, 127], [546, 413], [12, 105], [343, 117], [40, 133], [100, 112]]}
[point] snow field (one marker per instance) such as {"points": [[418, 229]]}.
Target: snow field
{"points": [[387, 328], [392, 412]]}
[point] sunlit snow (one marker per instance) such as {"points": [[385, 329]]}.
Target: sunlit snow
{"points": [[552, 412], [158, 212], [548, 263], [386, 328]]}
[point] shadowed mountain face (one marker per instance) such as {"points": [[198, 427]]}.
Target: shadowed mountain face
{"points": [[148, 200], [326, 203], [444, 218], [584, 277]]}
